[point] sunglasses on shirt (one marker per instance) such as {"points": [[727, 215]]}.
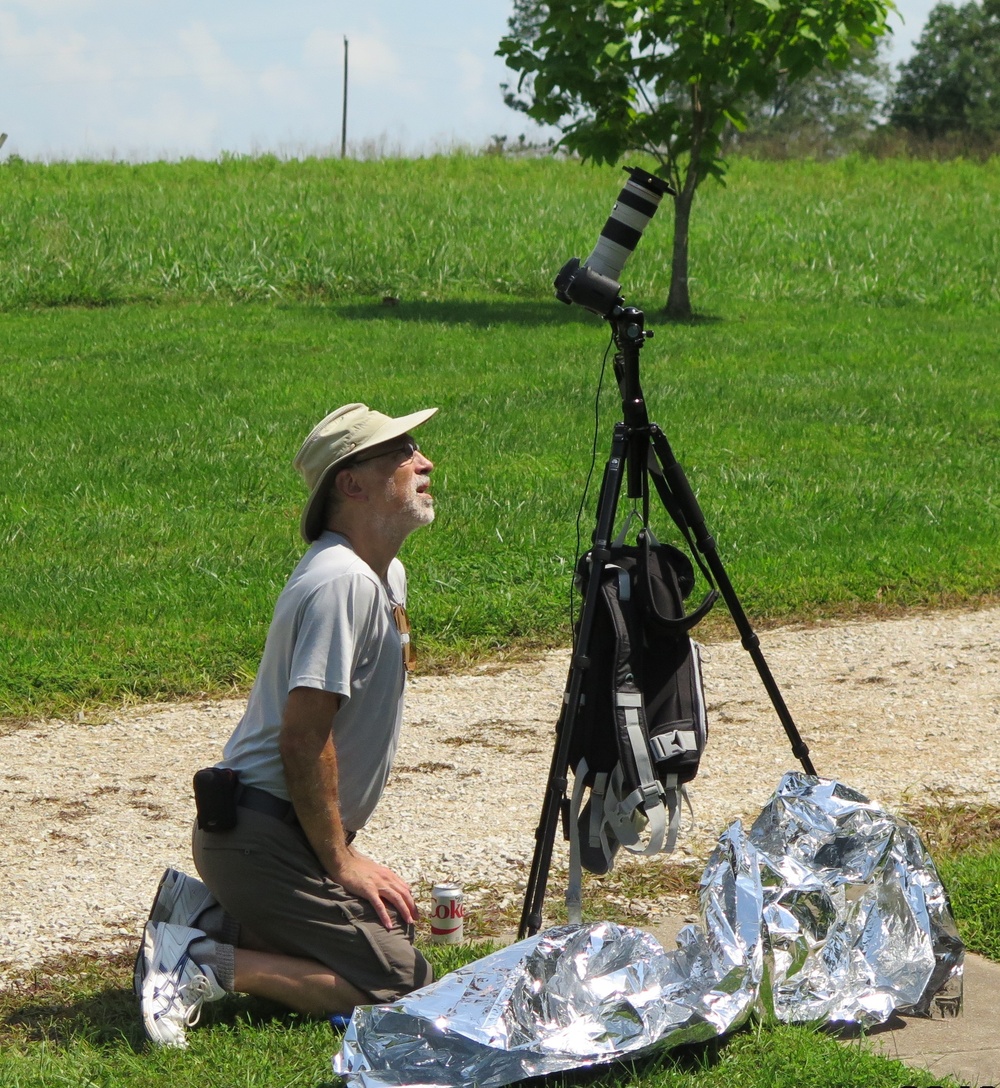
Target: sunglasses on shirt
{"points": [[403, 627]]}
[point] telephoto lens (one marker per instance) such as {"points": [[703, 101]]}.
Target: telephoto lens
{"points": [[636, 205], [595, 284]]}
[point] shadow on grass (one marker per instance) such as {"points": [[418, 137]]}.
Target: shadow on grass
{"points": [[694, 321], [90, 998], [72, 998], [485, 313], [479, 313]]}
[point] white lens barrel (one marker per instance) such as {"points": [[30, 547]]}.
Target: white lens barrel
{"points": [[634, 208], [608, 258]]}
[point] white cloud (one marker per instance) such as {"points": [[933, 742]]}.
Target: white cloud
{"points": [[285, 86], [59, 55], [472, 68], [209, 61], [371, 60]]}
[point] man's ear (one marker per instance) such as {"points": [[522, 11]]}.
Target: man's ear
{"points": [[347, 484]]}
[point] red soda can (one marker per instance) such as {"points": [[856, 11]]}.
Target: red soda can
{"points": [[447, 914]]}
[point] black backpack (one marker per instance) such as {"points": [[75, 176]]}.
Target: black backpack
{"points": [[641, 726]]}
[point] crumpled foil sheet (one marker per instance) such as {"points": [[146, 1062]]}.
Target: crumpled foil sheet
{"points": [[828, 910]]}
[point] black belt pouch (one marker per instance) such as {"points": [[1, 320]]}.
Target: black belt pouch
{"points": [[215, 791]]}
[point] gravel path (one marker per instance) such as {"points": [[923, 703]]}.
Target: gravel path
{"points": [[94, 811]]}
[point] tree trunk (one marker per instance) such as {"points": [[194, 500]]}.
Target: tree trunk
{"points": [[679, 299]]}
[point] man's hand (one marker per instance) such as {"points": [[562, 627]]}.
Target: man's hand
{"points": [[367, 879]]}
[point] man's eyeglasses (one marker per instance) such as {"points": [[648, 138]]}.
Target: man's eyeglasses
{"points": [[408, 447]]}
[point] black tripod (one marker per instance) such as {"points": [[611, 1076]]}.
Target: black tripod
{"points": [[640, 450]]}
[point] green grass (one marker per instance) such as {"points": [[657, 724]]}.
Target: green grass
{"points": [[973, 881], [148, 511], [883, 233]]}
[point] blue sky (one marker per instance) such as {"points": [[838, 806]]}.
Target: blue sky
{"points": [[146, 79]]}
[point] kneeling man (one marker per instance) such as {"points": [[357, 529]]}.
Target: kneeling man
{"points": [[287, 908]]}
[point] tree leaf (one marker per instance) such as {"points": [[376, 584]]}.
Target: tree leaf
{"points": [[669, 76]]}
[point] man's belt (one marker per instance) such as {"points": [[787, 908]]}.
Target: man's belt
{"points": [[259, 800]]}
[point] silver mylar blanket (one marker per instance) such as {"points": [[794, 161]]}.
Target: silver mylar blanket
{"points": [[829, 910]]}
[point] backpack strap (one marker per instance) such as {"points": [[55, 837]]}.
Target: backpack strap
{"points": [[648, 546], [673, 508], [574, 886], [628, 822], [633, 739]]}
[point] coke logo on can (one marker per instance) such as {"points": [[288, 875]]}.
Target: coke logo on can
{"points": [[447, 914]]}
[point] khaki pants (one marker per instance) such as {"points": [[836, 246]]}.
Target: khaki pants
{"points": [[265, 874]]}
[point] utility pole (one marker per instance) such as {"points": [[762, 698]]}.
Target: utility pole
{"points": [[3, 138], [343, 123]]}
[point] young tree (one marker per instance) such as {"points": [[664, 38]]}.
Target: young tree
{"points": [[665, 76], [952, 82]]}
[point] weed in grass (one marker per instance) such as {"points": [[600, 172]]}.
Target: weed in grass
{"points": [[635, 892], [949, 827], [427, 767]]}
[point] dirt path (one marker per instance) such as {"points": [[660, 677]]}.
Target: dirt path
{"points": [[93, 812]]}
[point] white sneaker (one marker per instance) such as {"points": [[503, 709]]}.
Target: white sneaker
{"points": [[179, 900], [174, 986]]}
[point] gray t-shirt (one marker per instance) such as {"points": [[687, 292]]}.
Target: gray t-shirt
{"points": [[333, 629]]}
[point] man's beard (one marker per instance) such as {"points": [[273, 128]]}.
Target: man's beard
{"points": [[420, 509], [415, 508]]}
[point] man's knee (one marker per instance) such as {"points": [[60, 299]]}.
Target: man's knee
{"points": [[401, 966]]}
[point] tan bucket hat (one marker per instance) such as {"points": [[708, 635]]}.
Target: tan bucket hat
{"points": [[337, 438]]}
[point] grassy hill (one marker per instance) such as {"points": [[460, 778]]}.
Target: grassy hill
{"points": [[170, 332]]}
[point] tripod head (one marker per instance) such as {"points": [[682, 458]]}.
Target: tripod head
{"points": [[594, 284]]}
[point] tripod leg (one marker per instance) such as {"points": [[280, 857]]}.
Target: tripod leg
{"points": [[684, 498], [555, 794]]}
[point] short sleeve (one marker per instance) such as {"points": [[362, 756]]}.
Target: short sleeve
{"points": [[335, 624]]}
